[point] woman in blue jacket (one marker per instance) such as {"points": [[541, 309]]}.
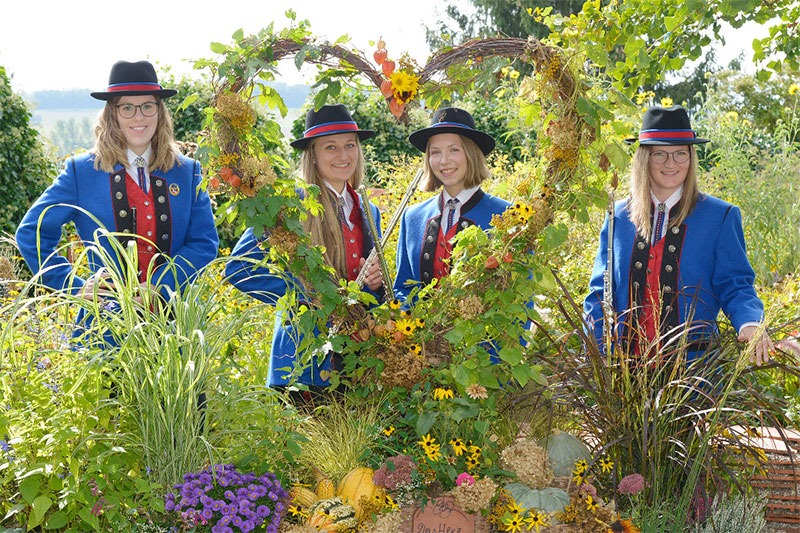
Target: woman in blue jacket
{"points": [[455, 161], [679, 254], [134, 183], [332, 160]]}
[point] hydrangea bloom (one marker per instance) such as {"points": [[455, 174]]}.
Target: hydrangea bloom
{"points": [[224, 500]]}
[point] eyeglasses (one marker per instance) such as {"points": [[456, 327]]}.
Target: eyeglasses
{"points": [[660, 156], [148, 109]]}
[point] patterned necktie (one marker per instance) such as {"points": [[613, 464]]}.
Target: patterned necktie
{"points": [[340, 210], [452, 203], [662, 207], [140, 162]]}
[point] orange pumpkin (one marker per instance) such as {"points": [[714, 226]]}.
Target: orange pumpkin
{"points": [[356, 484]]}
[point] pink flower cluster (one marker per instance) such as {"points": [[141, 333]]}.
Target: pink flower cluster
{"points": [[395, 472], [464, 479], [632, 484]]}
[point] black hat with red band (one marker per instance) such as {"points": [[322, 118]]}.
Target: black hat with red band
{"points": [[666, 126], [133, 79], [329, 120], [452, 120]]}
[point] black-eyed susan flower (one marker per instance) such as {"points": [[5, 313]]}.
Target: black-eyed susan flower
{"points": [[458, 446], [536, 521], [591, 505], [394, 304], [427, 441], [441, 393], [606, 465], [579, 467], [473, 462], [388, 431], [420, 322], [406, 327], [416, 348], [514, 523]]}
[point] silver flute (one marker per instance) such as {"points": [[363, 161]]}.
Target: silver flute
{"points": [[376, 240], [381, 243], [608, 278]]}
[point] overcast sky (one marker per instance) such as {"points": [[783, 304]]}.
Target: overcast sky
{"points": [[49, 44]]}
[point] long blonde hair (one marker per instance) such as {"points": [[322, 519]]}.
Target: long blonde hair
{"points": [[110, 146], [641, 201], [326, 229], [477, 168]]}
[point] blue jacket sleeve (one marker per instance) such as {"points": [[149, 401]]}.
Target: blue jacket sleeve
{"points": [[200, 244], [260, 282], [593, 304], [733, 276], [404, 270], [39, 232]]}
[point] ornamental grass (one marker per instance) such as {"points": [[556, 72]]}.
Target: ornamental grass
{"points": [[669, 419]]}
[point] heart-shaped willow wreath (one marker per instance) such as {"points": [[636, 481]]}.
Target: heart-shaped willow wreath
{"points": [[239, 155]]}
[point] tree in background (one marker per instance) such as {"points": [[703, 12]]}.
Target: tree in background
{"points": [[514, 18], [25, 170], [71, 135], [188, 118]]}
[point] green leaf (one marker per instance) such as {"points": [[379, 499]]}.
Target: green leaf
{"points": [[218, 48], [618, 157], [672, 22], [425, 422], [40, 507], [29, 488], [521, 374], [463, 413], [555, 235], [511, 355], [87, 516], [57, 520]]}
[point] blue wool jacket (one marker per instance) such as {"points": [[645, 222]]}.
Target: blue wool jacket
{"points": [[704, 269], [262, 284], [419, 231], [95, 199]]}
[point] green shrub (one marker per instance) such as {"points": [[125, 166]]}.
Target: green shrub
{"points": [[25, 170]]}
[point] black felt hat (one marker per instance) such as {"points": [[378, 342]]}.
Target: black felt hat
{"points": [[452, 120], [329, 120], [133, 79], [665, 126]]}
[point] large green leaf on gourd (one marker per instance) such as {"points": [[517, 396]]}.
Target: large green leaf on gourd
{"points": [[548, 499], [564, 450]]}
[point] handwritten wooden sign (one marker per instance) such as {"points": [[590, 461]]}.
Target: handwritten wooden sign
{"points": [[442, 515]]}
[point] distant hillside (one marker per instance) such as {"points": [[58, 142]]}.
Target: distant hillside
{"points": [[293, 95]]}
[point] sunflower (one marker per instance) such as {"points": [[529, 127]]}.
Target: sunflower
{"points": [[623, 526], [404, 85]]}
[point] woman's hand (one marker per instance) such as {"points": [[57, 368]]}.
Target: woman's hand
{"points": [[98, 286], [373, 278], [761, 347]]}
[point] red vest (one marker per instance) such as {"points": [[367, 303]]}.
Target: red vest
{"points": [[444, 248], [353, 239], [145, 224]]}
